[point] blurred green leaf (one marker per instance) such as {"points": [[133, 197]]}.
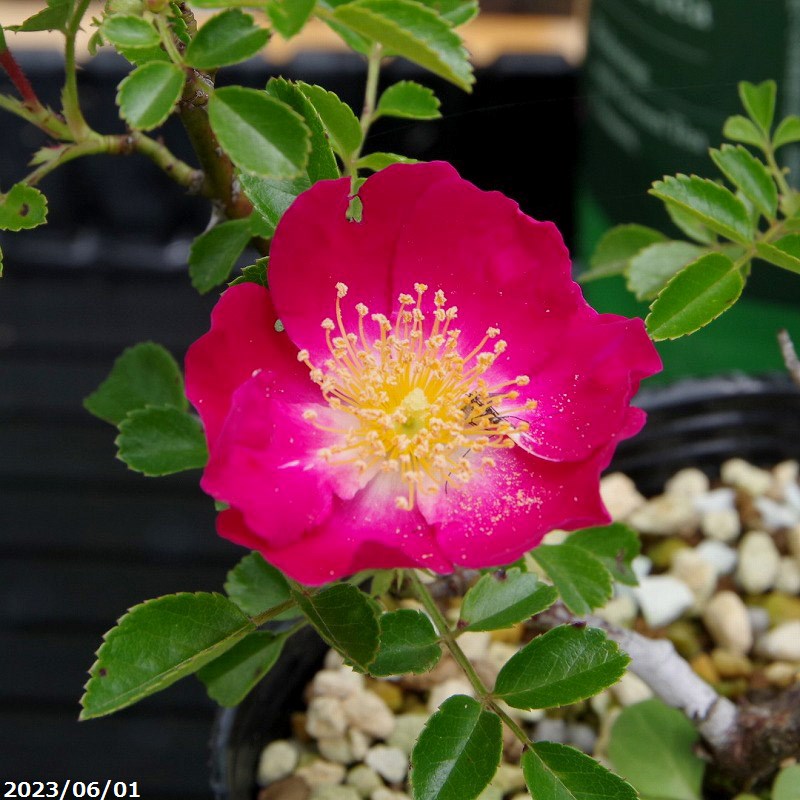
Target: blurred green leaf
{"points": [[126, 30], [581, 579], [227, 38], [161, 440], [615, 546], [741, 129], [214, 253], [713, 205], [759, 102], [747, 173], [144, 375], [289, 16], [652, 745], [379, 161], [256, 586], [337, 117], [562, 666], [148, 95], [230, 677], [558, 772], [262, 135], [503, 598], [457, 753], [52, 18], [410, 100], [22, 208], [456, 12], [617, 247], [697, 295], [690, 225], [787, 784], [650, 269], [408, 643], [411, 30], [787, 132], [158, 642], [784, 252]]}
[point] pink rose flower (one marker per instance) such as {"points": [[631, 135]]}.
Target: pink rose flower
{"points": [[424, 388]]}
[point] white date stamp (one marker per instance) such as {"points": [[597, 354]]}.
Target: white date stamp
{"points": [[61, 790]]}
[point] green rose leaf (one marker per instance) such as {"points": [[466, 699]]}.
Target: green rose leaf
{"points": [[759, 102], [562, 666], [337, 117], [408, 643], [615, 546], [457, 753], [652, 745], [253, 273], [148, 95], [581, 579], [161, 440], [178, 634], [558, 772], [690, 225], [617, 247], [741, 129], [271, 197], [784, 252], [456, 12], [409, 100], [23, 207], [379, 161], [711, 204], [144, 375], [262, 135], [230, 677], [143, 55], [346, 618], [787, 132], [650, 269], [321, 161], [409, 29], [787, 784], [256, 586], [227, 38], [749, 175], [126, 30], [52, 18], [501, 599], [289, 16], [214, 253], [697, 295]]}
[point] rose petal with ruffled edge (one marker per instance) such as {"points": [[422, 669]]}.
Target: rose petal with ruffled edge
{"points": [[367, 532], [242, 340]]}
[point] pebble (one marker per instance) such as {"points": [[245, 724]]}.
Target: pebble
{"points": [[791, 494], [339, 683], [722, 499], [369, 713], [390, 763], [726, 618], [786, 473], [406, 731], [447, 689], [631, 689], [741, 474], [788, 579], [721, 524], [775, 515], [335, 793], [321, 773], [781, 643], [508, 778], [344, 749], [719, 555], [550, 730], [759, 560], [278, 760], [326, 717], [293, 788], [581, 736], [363, 779], [475, 644], [388, 794], [620, 495], [690, 482], [793, 538], [665, 515], [662, 599], [759, 619], [781, 674], [731, 665], [698, 574], [620, 610], [491, 792]]}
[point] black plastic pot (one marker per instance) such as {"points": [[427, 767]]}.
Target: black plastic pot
{"points": [[698, 423]]}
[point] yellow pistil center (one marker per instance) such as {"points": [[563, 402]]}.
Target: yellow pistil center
{"points": [[419, 408]]}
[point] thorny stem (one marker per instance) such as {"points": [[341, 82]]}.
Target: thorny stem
{"points": [[17, 76], [42, 117], [71, 103], [449, 641]]}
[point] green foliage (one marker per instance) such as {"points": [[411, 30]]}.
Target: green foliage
{"points": [[230, 677], [227, 38], [338, 119], [144, 375], [456, 12], [161, 440], [180, 633], [749, 175], [784, 252], [787, 784], [503, 598], [379, 161], [759, 102], [409, 100], [148, 95], [409, 29], [346, 618], [256, 586], [650, 269], [214, 253], [23, 207], [562, 666], [408, 643], [615, 546], [271, 197], [127, 30], [558, 772], [253, 273], [262, 135], [52, 18], [787, 132], [652, 745], [289, 16], [581, 579], [617, 247], [457, 753], [697, 295]]}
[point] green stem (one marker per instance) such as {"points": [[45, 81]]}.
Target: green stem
{"points": [[790, 201], [370, 101], [168, 40], [72, 109], [42, 117], [265, 616], [161, 156]]}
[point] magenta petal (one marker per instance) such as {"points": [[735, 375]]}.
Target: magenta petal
{"points": [[242, 340], [506, 510]]}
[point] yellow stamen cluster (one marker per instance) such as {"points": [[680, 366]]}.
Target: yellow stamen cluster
{"points": [[421, 409]]}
